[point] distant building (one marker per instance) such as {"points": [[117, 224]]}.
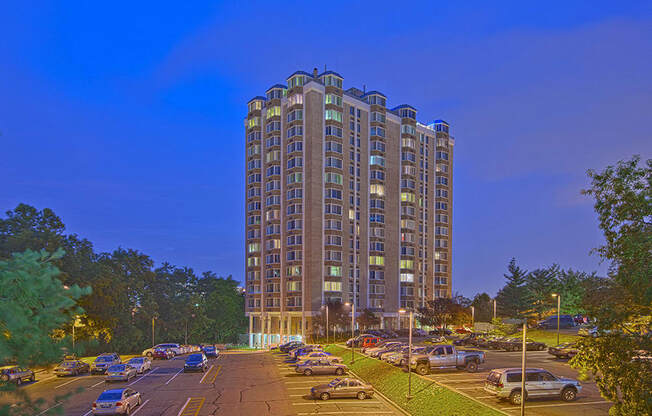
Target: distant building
{"points": [[328, 169]]}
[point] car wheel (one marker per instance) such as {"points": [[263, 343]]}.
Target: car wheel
{"points": [[472, 366], [541, 347], [139, 401], [339, 371], [423, 369], [568, 394], [307, 372], [149, 354], [362, 395], [19, 381], [128, 411], [324, 396], [515, 397], [32, 378], [5, 378]]}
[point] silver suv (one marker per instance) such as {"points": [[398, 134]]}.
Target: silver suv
{"points": [[505, 383]]}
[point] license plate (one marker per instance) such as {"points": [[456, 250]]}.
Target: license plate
{"points": [[105, 406]]}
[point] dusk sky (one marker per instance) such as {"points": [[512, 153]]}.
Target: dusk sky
{"points": [[126, 118]]}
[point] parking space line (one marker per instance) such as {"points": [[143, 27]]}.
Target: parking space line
{"points": [[192, 406], [527, 406], [87, 413], [56, 405], [321, 403], [319, 412], [140, 407], [217, 371], [67, 382], [468, 388], [142, 377], [173, 377], [98, 383], [205, 374]]}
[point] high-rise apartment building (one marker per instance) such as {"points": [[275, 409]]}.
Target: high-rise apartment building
{"points": [[346, 200]]}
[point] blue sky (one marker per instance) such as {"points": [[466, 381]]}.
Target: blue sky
{"points": [[126, 118]]}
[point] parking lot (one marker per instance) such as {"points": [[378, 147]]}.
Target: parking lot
{"points": [[298, 388]]}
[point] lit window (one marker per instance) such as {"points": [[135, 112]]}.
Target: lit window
{"points": [[407, 277], [254, 247], [376, 260], [332, 286], [253, 122], [377, 160], [273, 111], [334, 99], [407, 197], [333, 115], [334, 271], [407, 264], [377, 189]]}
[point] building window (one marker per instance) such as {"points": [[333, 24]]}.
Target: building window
{"points": [[377, 189], [376, 260], [333, 115], [333, 99], [406, 128], [332, 286], [293, 286], [273, 111], [255, 105], [296, 81], [331, 80], [333, 147], [335, 271], [294, 271], [295, 115], [441, 230], [408, 197], [294, 178], [407, 277], [377, 131], [333, 131], [377, 160], [376, 275], [407, 264], [295, 99], [378, 145]]}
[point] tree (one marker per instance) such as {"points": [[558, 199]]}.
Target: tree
{"points": [[622, 303], [440, 312], [540, 284], [368, 319], [34, 304], [512, 300], [483, 307]]}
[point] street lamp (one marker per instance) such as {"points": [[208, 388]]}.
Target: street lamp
{"points": [[558, 296], [409, 395], [154, 317], [494, 308], [472, 316], [326, 306], [352, 330], [193, 316]]}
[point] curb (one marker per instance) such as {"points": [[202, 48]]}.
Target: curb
{"points": [[391, 402]]}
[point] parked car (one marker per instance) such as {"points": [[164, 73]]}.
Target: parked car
{"points": [[290, 345], [210, 351], [343, 388], [565, 350], [389, 350], [176, 349], [72, 368], [469, 339], [141, 364], [440, 331], [505, 383], [163, 354], [516, 344], [15, 374], [120, 372], [318, 355], [356, 341], [370, 342], [104, 361], [373, 352], [587, 331], [196, 362], [298, 352], [495, 341], [390, 333], [311, 367], [447, 356], [116, 402], [463, 330], [400, 357], [565, 321], [436, 340]]}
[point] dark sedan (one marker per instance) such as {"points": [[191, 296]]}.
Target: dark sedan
{"points": [[163, 354], [565, 350], [72, 368], [195, 362], [342, 388], [516, 344]]}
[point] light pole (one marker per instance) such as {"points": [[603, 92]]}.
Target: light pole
{"points": [[326, 306], [558, 296], [409, 395], [154, 317], [494, 308], [523, 392], [472, 316], [352, 330]]}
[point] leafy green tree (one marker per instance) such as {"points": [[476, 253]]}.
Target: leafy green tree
{"points": [[442, 312], [622, 303], [572, 285], [34, 305], [512, 300], [368, 319], [540, 284], [483, 307]]}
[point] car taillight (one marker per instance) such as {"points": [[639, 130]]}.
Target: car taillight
{"points": [[501, 385], [94, 404], [118, 404]]}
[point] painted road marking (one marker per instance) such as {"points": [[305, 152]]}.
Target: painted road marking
{"points": [[347, 413], [97, 384], [192, 406], [527, 406], [58, 404], [67, 382], [87, 413], [140, 407], [173, 377], [142, 377], [217, 371], [205, 374], [320, 403]]}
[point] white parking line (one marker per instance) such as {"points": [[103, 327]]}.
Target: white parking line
{"points": [[346, 413], [527, 406], [142, 377], [173, 377], [458, 380], [87, 413], [67, 382], [140, 407], [468, 388], [211, 367], [58, 404], [321, 403], [97, 384]]}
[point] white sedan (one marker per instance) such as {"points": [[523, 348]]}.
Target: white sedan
{"points": [[141, 364]]}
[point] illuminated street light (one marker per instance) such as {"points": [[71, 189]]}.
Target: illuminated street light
{"points": [[352, 330], [555, 295], [409, 395]]}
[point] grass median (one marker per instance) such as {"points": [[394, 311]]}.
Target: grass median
{"points": [[549, 337], [428, 397]]}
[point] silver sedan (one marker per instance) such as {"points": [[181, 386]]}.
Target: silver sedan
{"points": [[116, 402], [141, 364], [120, 372]]}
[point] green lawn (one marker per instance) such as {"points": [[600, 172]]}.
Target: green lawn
{"points": [[429, 398], [547, 336]]}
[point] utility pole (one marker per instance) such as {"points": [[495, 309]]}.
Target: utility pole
{"points": [[523, 392], [558, 296]]}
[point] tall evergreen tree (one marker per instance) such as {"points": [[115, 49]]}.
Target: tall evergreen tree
{"points": [[512, 300]]}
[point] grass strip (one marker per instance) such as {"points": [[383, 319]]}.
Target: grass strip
{"points": [[548, 337], [428, 397]]}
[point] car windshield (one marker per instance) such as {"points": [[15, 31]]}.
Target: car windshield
{"points": [[110, 396], [136, 361], [209, 348], [494, 376], [194, 357], [120, 367], [68, 364], [104, 359], [334, 382]]}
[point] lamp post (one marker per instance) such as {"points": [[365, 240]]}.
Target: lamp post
{"points": [[494, 308], [192, 315], [472, 316], [409, 394], [154, 318], [326, 307], [558, 296], [523, 392], [352, 330]]}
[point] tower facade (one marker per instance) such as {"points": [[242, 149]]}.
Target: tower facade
{"points": [[346, 201]]}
